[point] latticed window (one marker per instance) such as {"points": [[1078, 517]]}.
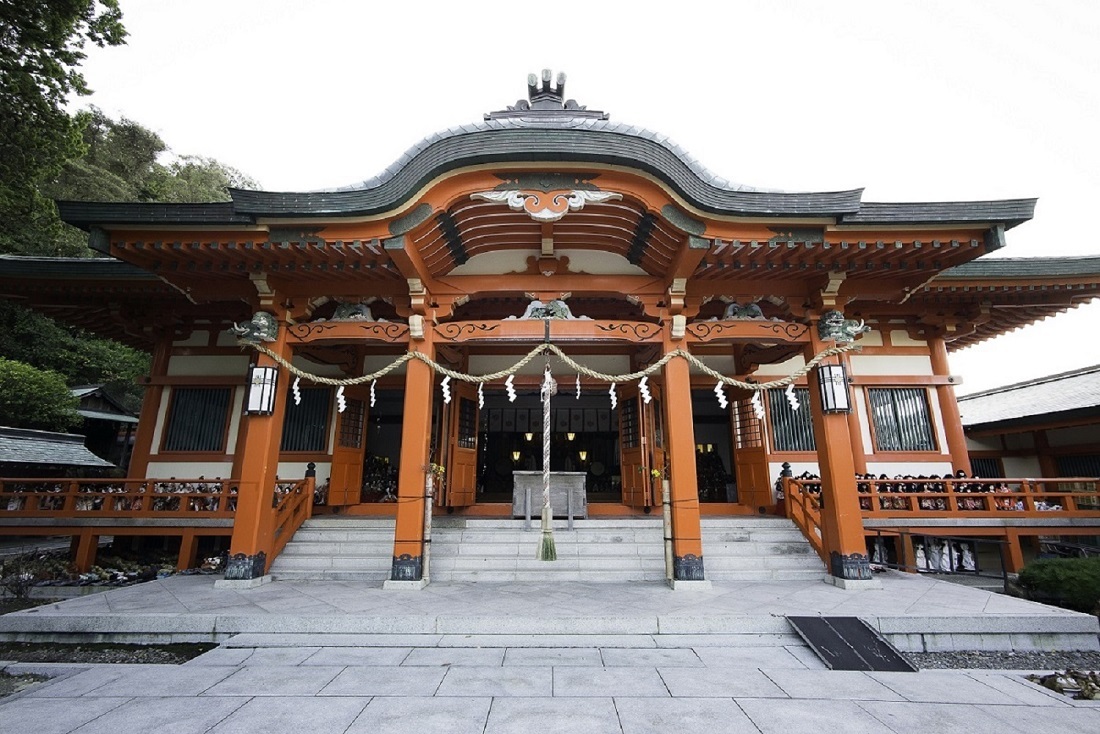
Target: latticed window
{"points": [[350, 434], [467, 424], [987, 468], [792, 430], [750, 429], [305, 426], [1087, 465], [901, 419], [197, 418], [630, 427]]}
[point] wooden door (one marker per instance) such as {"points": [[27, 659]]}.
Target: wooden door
{"points": [[633, 459], [655, 437], [346, 478], [754, 483], [462, 425]]}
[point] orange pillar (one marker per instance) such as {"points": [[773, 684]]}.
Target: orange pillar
{"points": [[949, 408], [687, 541], [859, 451], [842, 524], [408, 538], [255, 465], [150, 408]]}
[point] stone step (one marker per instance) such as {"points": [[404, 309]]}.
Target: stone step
{"points": [[473, 549]]}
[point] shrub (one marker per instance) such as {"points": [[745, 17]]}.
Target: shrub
{"points": [[1070, 582]]}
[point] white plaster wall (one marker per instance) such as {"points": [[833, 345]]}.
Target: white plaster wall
{"points": [[916, 468], [375, 362], [859, 399], [870, 339], [197, 339], [612, 364], [189, 469], [596, 262], [313, 368], [158, 430], [890, 364], [289, 470], [775, 468], [1076, 436], [983, 443], [937, 421], [719, 363], [226, 339], [209, 365], [236, 407], [901, 338], [1021, 467], [781, 369]]}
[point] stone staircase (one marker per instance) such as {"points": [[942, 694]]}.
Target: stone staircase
{"points": [[599, 549]]}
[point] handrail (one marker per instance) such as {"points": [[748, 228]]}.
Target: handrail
{"points": [[293, 502], [972, 497], [119, 498], [804, 508]]}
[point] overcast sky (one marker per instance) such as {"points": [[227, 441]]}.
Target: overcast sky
{"points": [[915, 101]]}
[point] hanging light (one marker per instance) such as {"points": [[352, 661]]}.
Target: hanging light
{"points": [[583, 454], [261, 390], [570, 435], [515, 456], [832, 380], [529, 436]]}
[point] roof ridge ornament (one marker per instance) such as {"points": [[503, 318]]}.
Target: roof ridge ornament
{"points": [[546, 101]]}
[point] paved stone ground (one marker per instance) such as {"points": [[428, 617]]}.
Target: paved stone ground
{"points": [[385, 687], [493, 658]]}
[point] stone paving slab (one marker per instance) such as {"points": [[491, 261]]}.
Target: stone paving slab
{"points": [[683, 716], [330, 715]]}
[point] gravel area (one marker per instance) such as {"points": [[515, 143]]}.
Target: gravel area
{"points": [[1064, 660], [40, 652]]}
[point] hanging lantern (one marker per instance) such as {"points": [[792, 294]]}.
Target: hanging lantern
{"points": [[261, 390], [832, 380]]}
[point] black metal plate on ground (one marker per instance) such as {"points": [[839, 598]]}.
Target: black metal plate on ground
{"points": [[848, 643]]}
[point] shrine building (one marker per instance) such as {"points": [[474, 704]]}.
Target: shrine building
{"points": [[382, 349]]}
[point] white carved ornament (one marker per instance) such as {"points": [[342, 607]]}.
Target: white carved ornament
{"points": [[547, 206]]}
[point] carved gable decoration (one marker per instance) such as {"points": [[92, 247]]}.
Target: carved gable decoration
{"points": [[546, 197]]}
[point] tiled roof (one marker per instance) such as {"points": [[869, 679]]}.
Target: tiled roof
{"points": [[24, 446], [1069, 391], [1024, 267]]}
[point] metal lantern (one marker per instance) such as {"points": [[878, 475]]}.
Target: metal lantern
{"points": [[261, 390], [833, 382]]}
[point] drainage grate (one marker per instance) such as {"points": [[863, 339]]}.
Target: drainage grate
{"points": [[849, 643]]}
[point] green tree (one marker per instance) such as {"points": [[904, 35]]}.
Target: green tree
{"points": [[81, 358], [33, 398], [41, 47]]}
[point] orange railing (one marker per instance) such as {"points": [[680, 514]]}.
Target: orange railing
{"points": [[293, 506], [118, 498], [967, 497], [803, 502]]}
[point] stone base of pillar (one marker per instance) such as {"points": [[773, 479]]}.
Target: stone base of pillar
{"points": [[681, 585], [391, 585], [687, 568], [242, 583], [854, 566], [407, 568], [853, 584], [242, 566]]}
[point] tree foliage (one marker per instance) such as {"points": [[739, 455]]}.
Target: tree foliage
{"points": [[33, 398], [41, 47], [82, 359]]}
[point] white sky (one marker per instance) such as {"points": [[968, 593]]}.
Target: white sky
{"points": [[916, 101]]}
